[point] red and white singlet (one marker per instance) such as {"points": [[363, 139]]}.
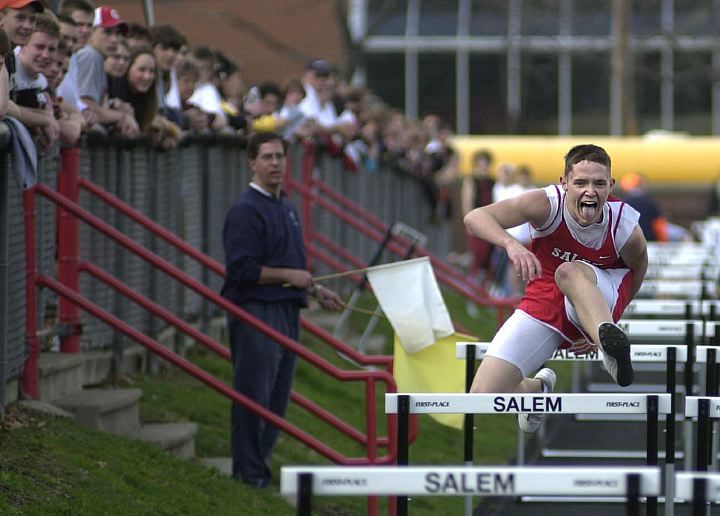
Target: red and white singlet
{"points": [[560, 240]]}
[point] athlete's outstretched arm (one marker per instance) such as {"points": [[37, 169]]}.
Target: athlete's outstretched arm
{"points": [[634, 254], [490, 222]]}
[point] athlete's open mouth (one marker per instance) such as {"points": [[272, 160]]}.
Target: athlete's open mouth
{"points": [[588, 209]]}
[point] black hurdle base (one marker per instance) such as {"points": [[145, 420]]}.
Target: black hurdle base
{"points": [[304, 494]]}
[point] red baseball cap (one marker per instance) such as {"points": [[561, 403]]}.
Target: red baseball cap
{"points": [[109, 17], [19, 4]]}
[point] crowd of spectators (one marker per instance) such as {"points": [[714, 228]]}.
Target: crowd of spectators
{"points": [[70, 71]]}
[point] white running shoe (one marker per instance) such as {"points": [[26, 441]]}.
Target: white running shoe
{"points": [[615, 348], [529, 423]]}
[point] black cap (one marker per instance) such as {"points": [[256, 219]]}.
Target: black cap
{"points": [[321, 67]]}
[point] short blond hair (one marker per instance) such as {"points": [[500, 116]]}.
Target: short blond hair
{"points": [[46, 22]]}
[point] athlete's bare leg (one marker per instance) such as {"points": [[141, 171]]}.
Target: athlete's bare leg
{"points": [[578, 282], [498, 375]]}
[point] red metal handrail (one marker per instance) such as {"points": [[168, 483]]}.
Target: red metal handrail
{"points": [[373, 221], [216, 267], [376, 222], [219, 269], [368, 376], [462, 288], [214, 346], [205, 377]]}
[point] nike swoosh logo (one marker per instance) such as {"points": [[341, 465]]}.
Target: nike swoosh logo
{"points": [[603, 257]]}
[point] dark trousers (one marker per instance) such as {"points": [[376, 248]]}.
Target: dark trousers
{"points": [[263, 370]]}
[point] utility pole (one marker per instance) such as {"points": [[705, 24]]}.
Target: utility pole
{"points": [[623, 120]]}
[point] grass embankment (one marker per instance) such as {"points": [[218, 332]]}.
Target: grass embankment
{"points": [[55, 467]]}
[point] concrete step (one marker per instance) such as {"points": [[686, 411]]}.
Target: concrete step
{"points": [[115, 411], [222, 464], [98, 365], [60, 375], [64, 374], [175, 438], [45, 408]]}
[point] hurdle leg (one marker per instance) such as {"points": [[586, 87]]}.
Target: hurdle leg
{"points": [[652, 445], [469, 421], [633, 495], [703, 435], [711, 390], [688, 444], [403, 446], [304, 494], [699, 497], [669, 489]]}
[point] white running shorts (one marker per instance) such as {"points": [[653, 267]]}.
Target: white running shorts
{"points": [[528, 343]]}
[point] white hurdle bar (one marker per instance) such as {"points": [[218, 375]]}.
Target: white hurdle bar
{"points": [[510, 403], [680, 308], [305, 481], [505, 403], [682, 272], [693, 289], [700, 487]]}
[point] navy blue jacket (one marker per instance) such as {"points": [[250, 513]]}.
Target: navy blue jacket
{"points": [[261, 230]]}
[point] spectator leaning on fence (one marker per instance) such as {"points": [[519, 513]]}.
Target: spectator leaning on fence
{"points": [[86, 83], [68, 31], [17, 20], [82, 13], [206, 95], [137, 36], [68, 117], [31, 85], [193, 118], [5, 50], [116, 64], [232, 91], [137, 88], [166, 43]]}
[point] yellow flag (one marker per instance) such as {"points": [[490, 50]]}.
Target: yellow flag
{"points": [[433, 369]]}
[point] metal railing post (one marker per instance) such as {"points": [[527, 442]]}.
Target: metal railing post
{"points": [[30, 381], [371, 434], [68, 248], [4, 269], [308, 164], [205, 230]]}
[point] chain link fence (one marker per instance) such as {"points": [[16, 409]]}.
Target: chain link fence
{"points": [[188, 191]]}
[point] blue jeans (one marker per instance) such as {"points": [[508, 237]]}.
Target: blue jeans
{"points": [[263, 370]]}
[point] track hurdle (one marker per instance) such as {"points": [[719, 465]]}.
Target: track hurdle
{"points": [[693, 289], [668, 354], [305, 481], [700, 487], [705, 409], [507, 403], [682, 272], [676, 308]]}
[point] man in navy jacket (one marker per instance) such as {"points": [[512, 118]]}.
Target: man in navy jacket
{"points": [[264, 252]]}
